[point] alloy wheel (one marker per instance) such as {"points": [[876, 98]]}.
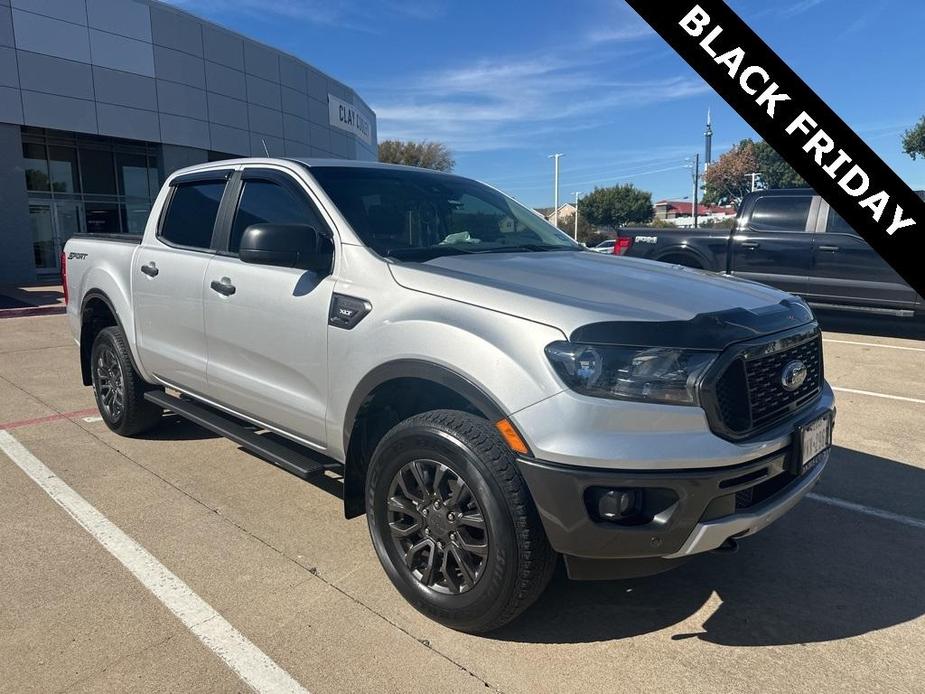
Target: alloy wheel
{"points": [[437, 526], [110, 383]]}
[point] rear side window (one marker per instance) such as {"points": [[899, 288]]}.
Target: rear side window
{"points": [[191, 215], [781, 213], [266, 202], [837, 225]]}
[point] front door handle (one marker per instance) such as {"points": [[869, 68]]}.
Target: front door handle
{"points": [[225, 287], [150, 269], [750, 244], [828, 248]]}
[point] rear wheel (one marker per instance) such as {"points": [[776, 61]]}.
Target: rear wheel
{"points": [[453, 523], [118, 388]]}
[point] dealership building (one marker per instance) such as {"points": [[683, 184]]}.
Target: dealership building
{"points": [[100, 100]]}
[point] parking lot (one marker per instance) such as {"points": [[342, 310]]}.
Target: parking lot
{"points": [[830, 598]]}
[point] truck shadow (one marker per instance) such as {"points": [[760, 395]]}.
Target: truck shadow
{"points": [[820, 574]]}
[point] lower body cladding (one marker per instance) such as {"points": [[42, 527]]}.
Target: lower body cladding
{"points": [[619, 524]]}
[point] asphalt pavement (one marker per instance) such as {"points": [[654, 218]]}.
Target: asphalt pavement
{"points": [[830, 598]]}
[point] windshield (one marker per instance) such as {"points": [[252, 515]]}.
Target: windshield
{"points": [[419, 215]]}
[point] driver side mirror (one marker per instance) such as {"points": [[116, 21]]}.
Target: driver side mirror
{"points": [[286, 245]]}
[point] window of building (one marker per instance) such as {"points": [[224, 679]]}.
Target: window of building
{"points": [[191, 215], [36, 165], [133, 175], [98, 171], [62, 167], [102, 218], [781, 213], [116, 180], [268, 202]]}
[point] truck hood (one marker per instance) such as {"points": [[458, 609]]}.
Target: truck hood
{"points": [[568, 290]]}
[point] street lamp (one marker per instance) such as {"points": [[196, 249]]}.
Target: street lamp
{"points": [[555, 214], [576, 214]]}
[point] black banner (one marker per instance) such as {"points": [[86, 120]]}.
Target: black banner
{"points": [[774, 101]]}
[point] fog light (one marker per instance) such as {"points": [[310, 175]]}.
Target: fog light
{"points": [[619, 504]]}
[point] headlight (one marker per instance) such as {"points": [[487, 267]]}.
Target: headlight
{"points": [[647, 374]]}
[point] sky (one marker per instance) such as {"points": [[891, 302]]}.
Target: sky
{"points": [[505, 84]]}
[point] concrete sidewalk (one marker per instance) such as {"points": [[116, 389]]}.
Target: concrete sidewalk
{"points": [[39, 299]]}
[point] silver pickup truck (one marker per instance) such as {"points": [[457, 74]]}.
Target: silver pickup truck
{"points": [[492, 394]]}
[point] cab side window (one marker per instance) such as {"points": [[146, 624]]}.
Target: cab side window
{"points": [[781, 213], [190, 218], [267, 202], [836, 225]]}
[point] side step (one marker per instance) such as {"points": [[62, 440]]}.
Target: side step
{"points": [[286, 457]]}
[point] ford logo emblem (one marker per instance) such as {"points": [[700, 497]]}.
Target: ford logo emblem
{"points": [[793, 375]]}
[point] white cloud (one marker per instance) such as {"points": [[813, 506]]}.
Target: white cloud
{"points": [[345, 14], [513, 102]]}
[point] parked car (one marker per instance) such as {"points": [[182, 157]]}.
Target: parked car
{"points": [[492, 394], [793, 240], [604, 246]]}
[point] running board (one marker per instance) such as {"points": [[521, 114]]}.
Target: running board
{"points": [[286, 457], [898, 312]]}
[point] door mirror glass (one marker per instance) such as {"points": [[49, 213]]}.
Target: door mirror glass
{"points": [[286, 245]]}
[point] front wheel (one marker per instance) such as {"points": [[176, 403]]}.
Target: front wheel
{"points": [[453, 523]]}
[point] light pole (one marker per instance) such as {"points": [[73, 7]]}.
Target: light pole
{"points": [[576, 214], [695, 178], [555, 214]]}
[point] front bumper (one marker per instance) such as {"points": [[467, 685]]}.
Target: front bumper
{"points": [[693, 511]]}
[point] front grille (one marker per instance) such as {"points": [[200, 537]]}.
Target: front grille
{"points": [[749, 394]]}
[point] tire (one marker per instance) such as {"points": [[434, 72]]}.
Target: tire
{"points": [[118, 388], [511, 562]]}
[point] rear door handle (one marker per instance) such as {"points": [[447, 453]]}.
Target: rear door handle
{"points": [[828, 248], [750, 244], [225, 287], [150, 269]]}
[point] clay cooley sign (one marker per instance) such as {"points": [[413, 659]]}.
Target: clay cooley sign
{"points": [[347, 117]]}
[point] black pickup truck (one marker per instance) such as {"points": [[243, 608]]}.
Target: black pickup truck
{"points": [[792, 240]]}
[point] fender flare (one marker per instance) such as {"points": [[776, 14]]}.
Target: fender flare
{"points": [[90, 295], [424, 370], [706, 263]]}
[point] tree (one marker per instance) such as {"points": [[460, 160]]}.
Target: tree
{"points": [[774, 169], [425, 154], [914, 140], [728, 180], [617, 206], [587, 234]]}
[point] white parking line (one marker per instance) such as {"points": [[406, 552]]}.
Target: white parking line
{"points": [[252, 665], [93, 420], [878, 395], [869, 510], [875, 344]]}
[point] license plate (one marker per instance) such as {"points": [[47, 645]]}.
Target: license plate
{"points": [[813, 438]]}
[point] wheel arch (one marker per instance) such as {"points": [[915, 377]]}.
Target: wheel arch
{"points": [[392, 392], [682, 251], [97, 311]]}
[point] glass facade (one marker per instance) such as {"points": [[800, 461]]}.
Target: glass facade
{"points": [[114, 181], [85, 184]]}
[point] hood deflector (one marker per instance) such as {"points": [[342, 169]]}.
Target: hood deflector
{"points": [[706, 331]]}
